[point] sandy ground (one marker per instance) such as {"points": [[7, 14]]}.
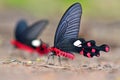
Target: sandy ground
{"points": [[106, 67]]}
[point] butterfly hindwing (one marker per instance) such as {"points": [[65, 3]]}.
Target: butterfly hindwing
{"points": [[69, 25]]}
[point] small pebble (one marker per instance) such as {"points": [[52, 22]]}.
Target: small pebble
{"points": [[6, 62], [38, 60], [29, 62], [13, 60], [107, 66], [84, 65]]}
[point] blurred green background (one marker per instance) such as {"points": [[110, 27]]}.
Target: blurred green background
{"points": [[100, 19], [91, 8]]}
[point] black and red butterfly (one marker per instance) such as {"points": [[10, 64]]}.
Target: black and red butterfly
{"points": [[26, 37], [66, 39]]}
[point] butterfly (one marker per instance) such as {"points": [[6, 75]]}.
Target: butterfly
{"points": [[67, 42], [26, 37]]}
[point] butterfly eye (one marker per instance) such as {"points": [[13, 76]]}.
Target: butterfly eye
{"points": [[77, 43], [36, 43]]}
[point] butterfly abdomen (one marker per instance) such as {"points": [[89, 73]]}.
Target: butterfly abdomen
{"points": [[59, 52], [22, 46]]}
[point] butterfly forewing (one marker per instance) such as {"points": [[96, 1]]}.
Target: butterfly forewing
{"points": [[20, 28], [33, 31], [68, 27]]}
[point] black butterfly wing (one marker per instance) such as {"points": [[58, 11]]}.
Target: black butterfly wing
{"points": [[90, 49], [20, 28], [33, 31], [68, 27]]}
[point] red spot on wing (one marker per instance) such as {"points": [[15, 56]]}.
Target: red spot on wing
{"points": [[89, 44], [107, 48], [81, 52], [88, 55], [93, 50]]}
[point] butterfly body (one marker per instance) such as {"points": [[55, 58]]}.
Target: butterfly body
{"points": [[26, 36], [66, 41]]}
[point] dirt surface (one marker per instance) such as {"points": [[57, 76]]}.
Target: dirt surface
{"points": [[14, 67]]}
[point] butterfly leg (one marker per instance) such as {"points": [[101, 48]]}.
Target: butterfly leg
{"points": [[48, 59], [59, 60], [51, 54], [12, 52], [53, 59]]}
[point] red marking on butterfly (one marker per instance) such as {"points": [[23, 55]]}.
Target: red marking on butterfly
{"points": [[107, 48], [88, 55], [22, 46], [89, 44], [81, 52], [43, 49], [59, 52], [93, 50]]}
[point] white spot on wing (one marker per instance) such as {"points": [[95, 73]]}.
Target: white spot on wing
{"points": [[36, 43], [77, 43]]}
